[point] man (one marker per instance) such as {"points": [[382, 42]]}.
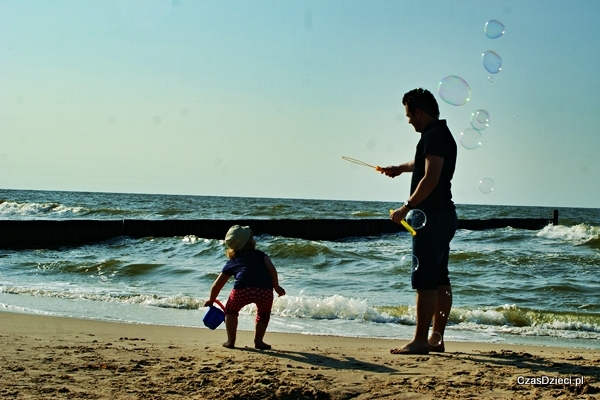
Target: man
{"points": [[432, 169]]}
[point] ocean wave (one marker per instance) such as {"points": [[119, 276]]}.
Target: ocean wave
{"points": [[367, 214], [114, 212], [71, 267], [526, 320], [507, 319], [175, 301], [12, 209], [332, 307], [273, 211], [285, 248], [576, 234], [106, 269]]}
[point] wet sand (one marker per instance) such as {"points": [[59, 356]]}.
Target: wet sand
{"points": [[61, 358]]}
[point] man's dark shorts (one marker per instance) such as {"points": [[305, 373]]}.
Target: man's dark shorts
{"points": [[431, 246]]}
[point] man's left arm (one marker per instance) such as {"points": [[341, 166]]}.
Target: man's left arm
{"points": [[433, 171]]}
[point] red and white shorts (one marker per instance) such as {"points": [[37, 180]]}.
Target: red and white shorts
{"points": [[262, 297]]}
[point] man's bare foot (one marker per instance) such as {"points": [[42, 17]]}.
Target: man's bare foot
{"points": [[229, 345], [411, 348], [262, 346]]}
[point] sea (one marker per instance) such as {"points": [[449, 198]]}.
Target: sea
{"points": [[511, 286]]}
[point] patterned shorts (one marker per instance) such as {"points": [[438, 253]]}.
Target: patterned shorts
{"points": [[262, 297]]}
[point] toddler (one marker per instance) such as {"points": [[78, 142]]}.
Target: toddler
{"points": [[255, 279]]}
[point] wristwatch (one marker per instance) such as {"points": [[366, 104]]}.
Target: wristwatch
{"points": [[407, 205]]}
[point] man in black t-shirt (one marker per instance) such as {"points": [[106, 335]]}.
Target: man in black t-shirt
{"points": [[432, 168]]}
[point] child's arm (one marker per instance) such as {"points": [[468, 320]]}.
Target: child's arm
{"points": [[271, 268], [216, 288]]}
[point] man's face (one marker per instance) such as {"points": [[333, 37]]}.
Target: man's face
{"points": [[415, 119]]}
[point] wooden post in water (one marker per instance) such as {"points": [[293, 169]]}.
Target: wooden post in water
{"points": [[57, 233]]}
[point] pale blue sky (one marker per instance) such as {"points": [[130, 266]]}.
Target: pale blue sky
{"points": [[262, 98]]}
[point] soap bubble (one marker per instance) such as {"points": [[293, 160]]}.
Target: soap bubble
{"points": [[486, 185], [435, 339], [494, 29], [480, 119], [416, 218], [470, 138], [409, 261], [492, 62], [454, 90]]}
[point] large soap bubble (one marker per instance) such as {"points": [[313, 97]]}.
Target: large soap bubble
{"points": [[454, 90], [409, 261], [486, 185], [494, 29], [492, 62], [435, 339], [470, 138], [480, 119], [416, 218]]}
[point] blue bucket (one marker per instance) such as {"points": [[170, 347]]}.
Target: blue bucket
{"points": [[214, 317]]}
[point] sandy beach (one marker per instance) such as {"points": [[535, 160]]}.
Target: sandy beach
{"points": [[49, 357]]}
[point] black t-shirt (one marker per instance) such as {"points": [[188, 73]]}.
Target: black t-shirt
{"points": [[249, 270], [437, 140]]}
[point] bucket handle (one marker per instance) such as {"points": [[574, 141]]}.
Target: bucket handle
{"points": [[220, 305]]}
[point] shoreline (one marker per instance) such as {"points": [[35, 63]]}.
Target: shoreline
{"points": [[48, 356]]}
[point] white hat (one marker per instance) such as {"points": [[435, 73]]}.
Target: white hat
{"points": [[237, 237]]}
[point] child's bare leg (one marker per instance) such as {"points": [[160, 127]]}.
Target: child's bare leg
{"points": [[261, 329], [231, 323], [263, 315]]}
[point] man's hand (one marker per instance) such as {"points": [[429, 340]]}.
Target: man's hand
{"points": [[398, 214], [391, 171]]}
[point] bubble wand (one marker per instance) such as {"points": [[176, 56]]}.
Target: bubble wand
{"points": [[406, 225], [364, 164]]}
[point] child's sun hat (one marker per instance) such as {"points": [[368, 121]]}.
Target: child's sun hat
{"points": [[237, 237]]}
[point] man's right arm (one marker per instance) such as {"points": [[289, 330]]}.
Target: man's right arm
{"points": [[394, 170]]}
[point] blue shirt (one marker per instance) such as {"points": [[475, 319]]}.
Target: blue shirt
{"points": [[249, 270]]}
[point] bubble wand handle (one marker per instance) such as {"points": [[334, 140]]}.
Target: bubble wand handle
{"points": [[406, 225]]}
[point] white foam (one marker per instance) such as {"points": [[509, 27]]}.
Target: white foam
{"points": [[331, 307], [331, 315], [177, 301], [481, 317], [576, 234], [15, 209]]}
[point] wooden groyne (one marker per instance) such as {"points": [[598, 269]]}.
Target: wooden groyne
{"points": [[15, 234]]}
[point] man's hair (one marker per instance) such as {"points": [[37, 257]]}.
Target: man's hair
{"points": [[423, 100]]}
